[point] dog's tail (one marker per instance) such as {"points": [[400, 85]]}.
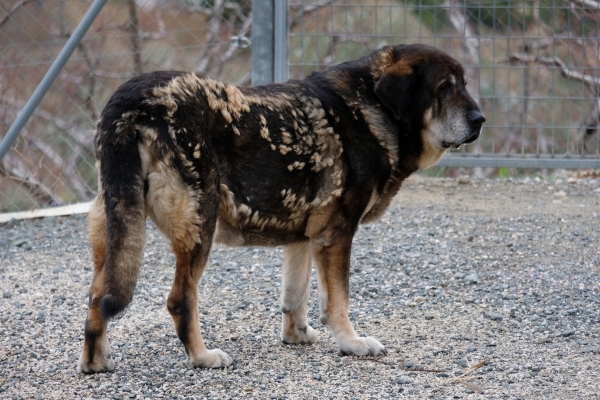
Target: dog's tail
{"points": [[121, 185]]}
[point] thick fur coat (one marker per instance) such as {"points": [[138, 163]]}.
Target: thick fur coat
{"points": [[299, 164]]}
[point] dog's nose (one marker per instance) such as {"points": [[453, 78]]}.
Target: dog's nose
{"points": [[476, 118]]}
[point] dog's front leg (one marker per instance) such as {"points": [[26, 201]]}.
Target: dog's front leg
{"points": [[297, 266], [333, 270]]}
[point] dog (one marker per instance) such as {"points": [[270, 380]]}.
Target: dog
{"points": [[299, 164]]}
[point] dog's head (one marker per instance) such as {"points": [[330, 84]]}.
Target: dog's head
{"points": [[426, 83]]}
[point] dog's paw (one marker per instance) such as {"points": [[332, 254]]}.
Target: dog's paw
{"points": [[361, 346], [306, 335], [100, 360], [98, 364], [212, 359]]}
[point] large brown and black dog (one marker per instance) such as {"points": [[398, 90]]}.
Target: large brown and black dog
{"points": [[299, 164]]}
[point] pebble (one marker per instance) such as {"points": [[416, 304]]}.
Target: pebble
{"points": [[462, 362], [493, 317], [472, 278], [418, 253], [408, 365], [464, 179], [403, 380]]}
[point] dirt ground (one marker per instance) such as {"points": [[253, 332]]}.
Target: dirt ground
{"points": [[565, 196], [479, 289]]}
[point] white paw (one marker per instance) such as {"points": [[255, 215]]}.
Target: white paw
{"points": [[100, 360], [99, 364], [299, 336], [361, 346], [212, 359]]}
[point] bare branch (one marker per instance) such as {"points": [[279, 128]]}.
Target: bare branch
{"points": [[587, 3], [13, 10], [133, 27], [214, 28], [84, 138], [232, 49], [304, 10], [459, 22], [161, 34], [111, 74], [541, 44], [592, 81], [15, 171]]}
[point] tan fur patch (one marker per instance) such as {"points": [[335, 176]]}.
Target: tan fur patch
{"points": [[329, 147], [296, 274], [225, 98], [432, 152], [235, 216], [173, 206], [372, 201], [124, 123], [97, 228], [379, 128], [381, 64]]}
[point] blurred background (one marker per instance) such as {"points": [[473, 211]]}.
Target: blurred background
{"points": [[534, 66]]}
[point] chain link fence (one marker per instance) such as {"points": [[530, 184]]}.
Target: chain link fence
{"points": [[533, 65], [52, 161]]}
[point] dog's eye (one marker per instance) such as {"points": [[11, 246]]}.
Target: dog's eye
{"points": [[445, 87]]}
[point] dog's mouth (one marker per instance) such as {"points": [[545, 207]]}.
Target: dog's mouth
{"points": [[475, 120], [470, 139], [473, 137]]}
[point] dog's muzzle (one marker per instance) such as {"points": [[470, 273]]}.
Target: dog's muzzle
{"points": [[476, 120]]}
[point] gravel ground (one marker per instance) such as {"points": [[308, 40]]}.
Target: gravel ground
{"points": [[472, 285]]}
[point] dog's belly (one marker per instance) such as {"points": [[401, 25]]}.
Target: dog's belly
{"points": [[227, 233]]}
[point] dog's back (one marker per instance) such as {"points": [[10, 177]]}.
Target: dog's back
{"points": [[299, 164]]}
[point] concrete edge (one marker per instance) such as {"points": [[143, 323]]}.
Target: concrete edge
{"points": [[79, 208]]}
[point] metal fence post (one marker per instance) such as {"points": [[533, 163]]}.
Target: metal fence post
{"points": [[269, 41], [280, 52], [262, 42], [50, 76]]}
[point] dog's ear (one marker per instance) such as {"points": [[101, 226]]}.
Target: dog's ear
{"points": [[395, 86]]}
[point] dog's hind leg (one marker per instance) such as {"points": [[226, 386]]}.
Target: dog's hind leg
{"points": [[297, 266], [95, 356], [183, 306], [188, 218], [333, 271]]}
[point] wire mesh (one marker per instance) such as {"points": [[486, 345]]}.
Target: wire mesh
{"points": [[52, 161], [534, 66]]}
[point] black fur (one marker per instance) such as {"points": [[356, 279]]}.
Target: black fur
{"points": [[281, 164]]}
